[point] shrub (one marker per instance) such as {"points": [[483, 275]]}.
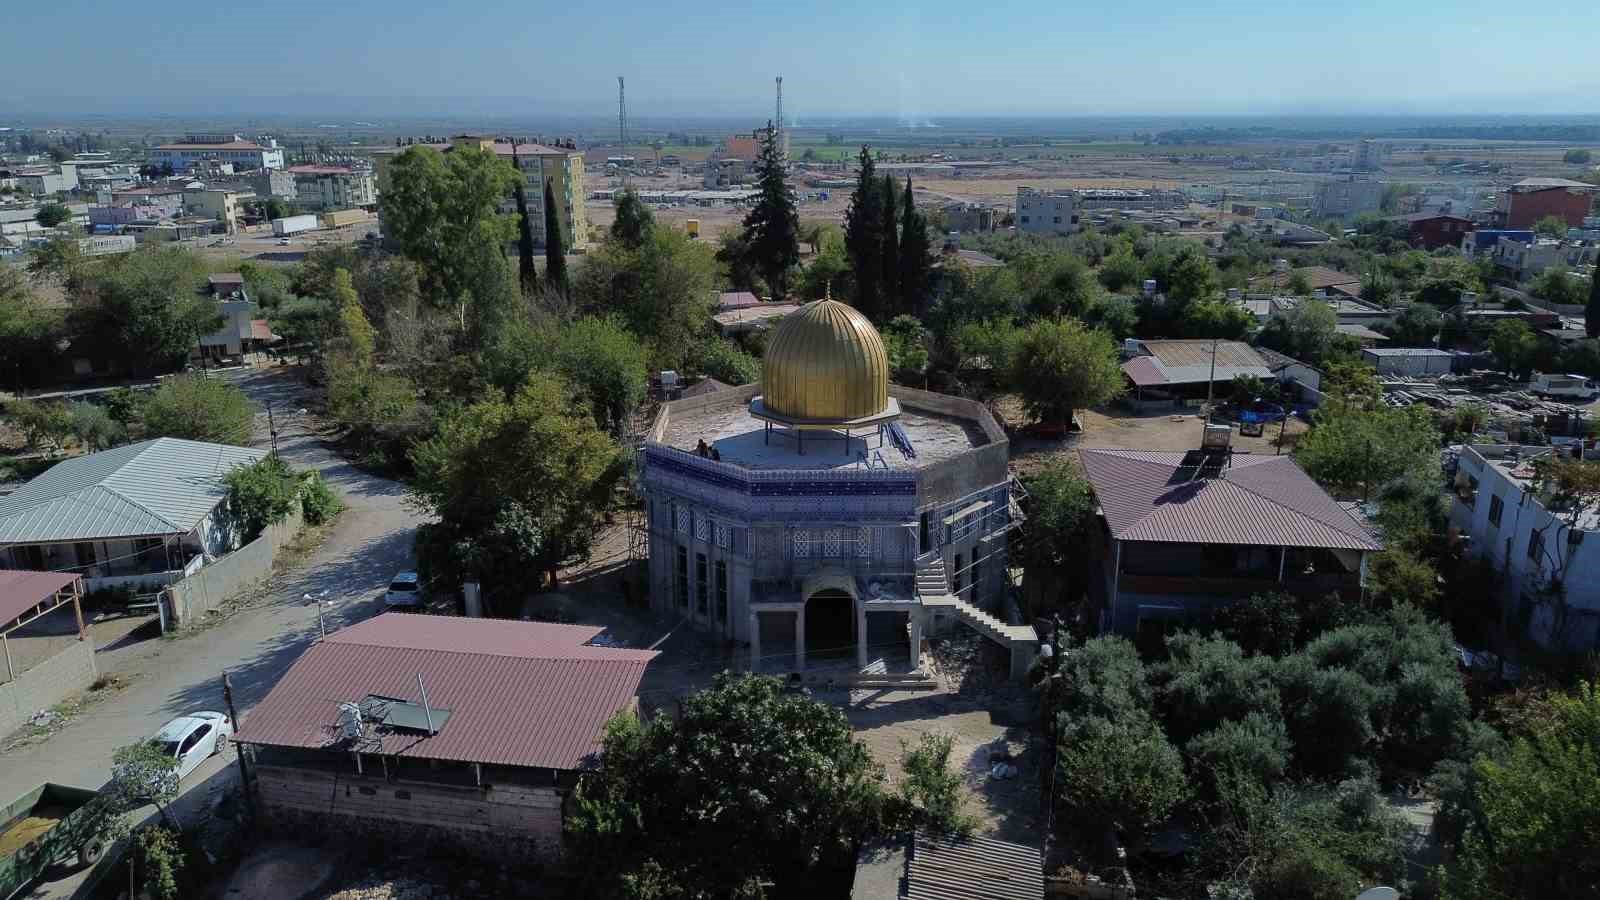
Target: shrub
{"points": [[1208, 680], [1122, 772], [724, 361], [94, 426], [931, 789], [318, 502], [45, 424], [158, 862], [198, 408], [1263, 623], [1328, 713], [1104, 677], [260, 494], [1257, 745]]}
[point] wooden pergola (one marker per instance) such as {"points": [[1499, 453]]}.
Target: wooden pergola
{"points": [[27, 596]]}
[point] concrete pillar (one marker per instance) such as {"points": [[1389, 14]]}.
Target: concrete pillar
{"points": [[755, 641], [914, 625], [471, 599], [800, 639], [861, 637]]}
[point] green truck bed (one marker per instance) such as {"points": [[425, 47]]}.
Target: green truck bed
{"points": [[49, 823]]}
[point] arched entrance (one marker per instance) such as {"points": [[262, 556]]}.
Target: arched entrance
{"points": [[830, 623]]}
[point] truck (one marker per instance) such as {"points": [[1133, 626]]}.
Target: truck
{"points": [[1562, 387], [51, 823], [294, 224]]}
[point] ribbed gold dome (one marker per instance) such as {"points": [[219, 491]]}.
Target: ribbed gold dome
{"points": [[825, 362]]}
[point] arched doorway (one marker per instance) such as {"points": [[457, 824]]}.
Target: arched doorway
{"points": [[830, 624]]}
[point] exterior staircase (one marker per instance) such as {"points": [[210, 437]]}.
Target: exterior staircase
{"points": [[1021, 641]]}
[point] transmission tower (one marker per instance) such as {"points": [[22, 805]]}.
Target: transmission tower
{"points": [[779, 136], [622, 127]]}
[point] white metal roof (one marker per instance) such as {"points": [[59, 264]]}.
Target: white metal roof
{"points": [[156, 487]]}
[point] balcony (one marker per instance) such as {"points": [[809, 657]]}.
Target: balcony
{"points": [[1235, 586]]}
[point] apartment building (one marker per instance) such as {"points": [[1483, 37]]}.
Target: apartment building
{"points": [[1046, 212], [334, 187], [561, 168], [1347, 197]]}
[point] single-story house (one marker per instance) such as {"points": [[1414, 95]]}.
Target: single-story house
{"points": [[1183, 533], [142, 515], [457, 735], [1432, 230], [1306, 379], [923, 866], [1166, 374], [1318, 278], [754, 317], [1409, 361]]}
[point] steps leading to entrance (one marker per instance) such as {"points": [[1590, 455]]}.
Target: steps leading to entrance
{"points": [[934, 591]]}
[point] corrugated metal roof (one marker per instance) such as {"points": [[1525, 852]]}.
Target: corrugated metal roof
{"points": [[972, 868], [1257, 500], [20, 591], [520, 693], [155, 487], [1144, 371], [1199, 353]]}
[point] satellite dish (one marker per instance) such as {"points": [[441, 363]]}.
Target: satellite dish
{"points": [[1379, 893]]}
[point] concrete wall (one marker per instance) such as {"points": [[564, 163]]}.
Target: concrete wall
{"points": [[204, 590], [46, 684], [494, 822]]}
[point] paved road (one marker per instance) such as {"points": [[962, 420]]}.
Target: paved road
{"points": [[170, 677]]}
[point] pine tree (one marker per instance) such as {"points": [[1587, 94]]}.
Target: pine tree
{"points": [[889, 284], [773, 227], [916, 251], [555, 251], [528, 276], [863, 238]]}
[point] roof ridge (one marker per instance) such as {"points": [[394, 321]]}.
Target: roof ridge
{"points": [[1281, 505], [104, 482]]}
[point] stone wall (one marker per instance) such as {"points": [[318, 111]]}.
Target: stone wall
{"points": [[192, 597], [46, 684], [494, 822]]}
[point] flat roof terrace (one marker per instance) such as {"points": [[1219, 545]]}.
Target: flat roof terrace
{"points": [[724, 422]]}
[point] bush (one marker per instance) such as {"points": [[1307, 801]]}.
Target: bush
{"points": [[197, 408], [318, 502], [1104, 677], [1257, 745], [94, 426], [931, 790], [1125, 773], [44, 424], [1263, 623], [260, 494], [724, 361], [1209, 680], [1328, 713]]}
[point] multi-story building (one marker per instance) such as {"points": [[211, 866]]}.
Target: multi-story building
{"points": [[226, 148], [1046, 212], [1547, 566], [222, 205], [44, 182], [1347, 197], [1524, 260], [968, 218], [825, 514], [732, 161], [274, 183], [334, 187], [1523, 204], [1430, 231], [561, 168]]}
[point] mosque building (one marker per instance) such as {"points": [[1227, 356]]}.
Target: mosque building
{"points": [[826, 514]]}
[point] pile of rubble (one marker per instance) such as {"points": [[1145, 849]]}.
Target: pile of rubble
{"points": [[1504, 402]]}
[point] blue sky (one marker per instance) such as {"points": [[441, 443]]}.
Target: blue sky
{"points": [[911, 59]]}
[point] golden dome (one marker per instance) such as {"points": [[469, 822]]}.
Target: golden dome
{"points": [[825, 363]]}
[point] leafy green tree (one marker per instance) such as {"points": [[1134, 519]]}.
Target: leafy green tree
{"points": [[889, 262], [1122, 269], [52, 214], [1416, 326], [634, 220], [1535, 831], [504, 530], [1124, 772], [143, 773], [1060, 508], [905, 340], [723, 360], [93, 426], [931, 787], [443, 211], [197, 408], [29, 331], [1190, 275], [1206, 680], [1299, 284], [1104, 678], [1268, 624], [748, 784], [527, 272], [1397, 575], [1577, 157], [1305, 332], [863, 238], [45, 424], [1513, 345], [829, 271], [1446, 280], [1116, 316], [1329, 713], [773, 224], [1551, 226], [663, 291], [1557, 285], [608, 364], [158, 863], [260, 494], [1350, 448], [1061, 366], [916, 254], [1256, 744], [1217, 319], [144, 309], [1054, 284]]}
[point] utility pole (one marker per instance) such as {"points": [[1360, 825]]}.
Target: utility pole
{"points": [[272, 428], [244, 771], [1212, 380], [622, 128], [778, 137]]}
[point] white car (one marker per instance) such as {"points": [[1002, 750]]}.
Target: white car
{"points": [[404, 590], [283, 242], [193, 738]]}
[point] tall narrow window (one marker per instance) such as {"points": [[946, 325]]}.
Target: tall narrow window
{"points": [[922, 535], [722, 591], [680, 579], [700, 585]]}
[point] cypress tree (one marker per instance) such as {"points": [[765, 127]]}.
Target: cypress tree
{"points": [[527, 275], [889, 284], [772, 229], [916, 249], [634, 220], [555, 251], [1591, 313], [863, 237]]}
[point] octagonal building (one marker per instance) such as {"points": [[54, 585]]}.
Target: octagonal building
{"points": [[826, 516]]}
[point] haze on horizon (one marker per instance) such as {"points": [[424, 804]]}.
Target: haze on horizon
{"points": [[913, 61]]}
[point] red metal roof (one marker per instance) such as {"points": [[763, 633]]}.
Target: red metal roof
{"points": [[519, 693], [1144, 371], [1258, 500], [21, 591]]}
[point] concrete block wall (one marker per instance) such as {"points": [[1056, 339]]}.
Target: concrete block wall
{"points": [[192, 597], [494, 822], [47, 684]]}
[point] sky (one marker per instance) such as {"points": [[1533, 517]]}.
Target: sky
{"points": [[911, 60]]}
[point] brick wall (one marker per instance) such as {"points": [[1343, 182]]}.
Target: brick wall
{"points": [[46, 684], [204, 590], [494, 822], [1527, 208]]}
